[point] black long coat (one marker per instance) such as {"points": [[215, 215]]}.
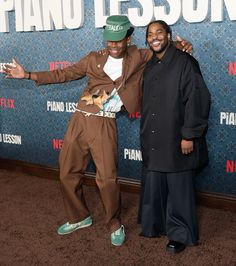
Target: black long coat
{"points": [[175, 106]]}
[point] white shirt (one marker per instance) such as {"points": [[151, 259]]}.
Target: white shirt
{"points": [[113, 68]]}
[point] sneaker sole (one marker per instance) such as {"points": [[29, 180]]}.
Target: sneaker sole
{"points": [[116, 245], [80, 227]]}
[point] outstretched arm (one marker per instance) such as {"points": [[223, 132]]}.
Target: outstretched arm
{"points": [[73, 72], [16, 71]]}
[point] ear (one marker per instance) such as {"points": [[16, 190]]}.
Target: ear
{"points": [[128, 41]]}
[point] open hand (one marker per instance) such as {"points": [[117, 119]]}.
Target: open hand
{"points": [[14, 70]]}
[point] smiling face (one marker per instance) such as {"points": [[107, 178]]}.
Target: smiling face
{"points": [[158, 39], [117, 49]]}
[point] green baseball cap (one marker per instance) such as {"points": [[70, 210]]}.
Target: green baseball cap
{"points": [[116, 28]]}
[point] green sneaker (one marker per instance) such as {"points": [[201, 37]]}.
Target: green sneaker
{"points": [[68, 228], [118, 237]]}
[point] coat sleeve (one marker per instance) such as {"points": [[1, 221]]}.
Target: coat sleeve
{"points": [[73, 72], [196, 101], [146, 54]]}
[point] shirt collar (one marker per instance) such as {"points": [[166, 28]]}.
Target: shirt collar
{"points": [[166, 57]]}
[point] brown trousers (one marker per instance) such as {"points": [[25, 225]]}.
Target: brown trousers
{"points": [[96, 137]]}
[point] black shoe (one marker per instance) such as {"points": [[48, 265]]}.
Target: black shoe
{"points": [[175, 247]]}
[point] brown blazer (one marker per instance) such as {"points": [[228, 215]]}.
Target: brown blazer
{"points": [[92, 67]]}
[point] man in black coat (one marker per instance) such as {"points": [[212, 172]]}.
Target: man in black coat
{"points": [[174, 122]]}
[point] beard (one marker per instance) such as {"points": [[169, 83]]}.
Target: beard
{"points": [[161, 49]]}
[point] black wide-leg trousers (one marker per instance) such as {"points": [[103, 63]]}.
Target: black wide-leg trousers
{"points": [[167, 206]]}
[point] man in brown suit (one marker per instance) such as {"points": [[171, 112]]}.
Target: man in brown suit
{"points": [[114, 80]]}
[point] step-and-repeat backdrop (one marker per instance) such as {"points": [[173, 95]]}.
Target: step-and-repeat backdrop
{"points": [[46, 35]]}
